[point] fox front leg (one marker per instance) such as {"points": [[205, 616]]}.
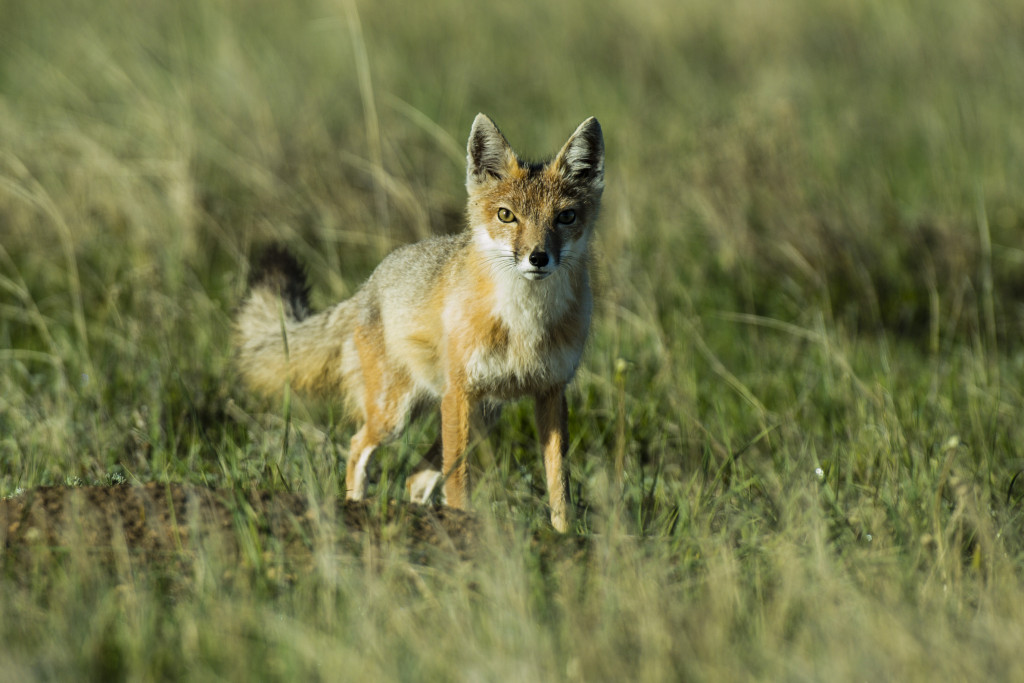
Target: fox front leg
{"points": [[552, 413], [455, 406]]}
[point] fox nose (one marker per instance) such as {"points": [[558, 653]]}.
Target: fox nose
{"points": [[538, 258]]}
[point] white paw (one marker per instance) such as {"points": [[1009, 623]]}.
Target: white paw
{"points": [[421, 485]]}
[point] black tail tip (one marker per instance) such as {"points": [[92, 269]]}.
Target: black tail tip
{"points": [[277, 269]]}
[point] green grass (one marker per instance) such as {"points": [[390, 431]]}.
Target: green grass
{"points": [[807, 353]]}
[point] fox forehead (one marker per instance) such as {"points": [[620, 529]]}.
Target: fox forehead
{"points": [[538, 188]]}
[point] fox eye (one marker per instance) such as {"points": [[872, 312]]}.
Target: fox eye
{"points": [[567, 217], [505, 216]]}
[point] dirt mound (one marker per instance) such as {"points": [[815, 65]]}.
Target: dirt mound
{"points": [[160, 520]]}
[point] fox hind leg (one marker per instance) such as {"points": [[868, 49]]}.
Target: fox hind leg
{"points": [[386, 399], [361, 450], [380, 427], [427, 476]]}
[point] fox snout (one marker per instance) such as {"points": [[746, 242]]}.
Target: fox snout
{"points": [[538, 262], [538, 258]]}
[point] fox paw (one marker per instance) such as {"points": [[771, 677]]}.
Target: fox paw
{"points": [[422, 484]]}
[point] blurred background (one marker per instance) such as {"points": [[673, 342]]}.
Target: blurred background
{"points": [[848, 169]]}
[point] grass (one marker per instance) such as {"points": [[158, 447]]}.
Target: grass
{"points": [[806, 356]]}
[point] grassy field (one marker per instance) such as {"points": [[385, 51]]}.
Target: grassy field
{"points": [[796, 438]]}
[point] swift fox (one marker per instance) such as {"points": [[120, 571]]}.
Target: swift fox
{"points": [[498, 312]]}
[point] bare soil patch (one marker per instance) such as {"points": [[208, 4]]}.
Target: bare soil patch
{"points": [[155, 522]]}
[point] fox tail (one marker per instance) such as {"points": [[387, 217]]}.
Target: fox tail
{"points": [[278, 338]]}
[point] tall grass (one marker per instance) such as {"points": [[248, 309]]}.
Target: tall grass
{"points": [[805, 357]]}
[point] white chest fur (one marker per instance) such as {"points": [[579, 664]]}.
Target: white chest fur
{"points": [[546, 323]]}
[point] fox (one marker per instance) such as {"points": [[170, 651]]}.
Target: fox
{"points": [[457, 323]]}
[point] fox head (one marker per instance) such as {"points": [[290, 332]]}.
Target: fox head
{"points": [[534, 217]]}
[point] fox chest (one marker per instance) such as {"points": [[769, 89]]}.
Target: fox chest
{"points": [[519, 337], [509, 362]]}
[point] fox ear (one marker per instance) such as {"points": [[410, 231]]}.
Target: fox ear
{"points": [[582, 157], [488, 154]]}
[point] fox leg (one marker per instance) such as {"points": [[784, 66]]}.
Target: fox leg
{"points": [[361, 449], [427, 475], [386, 398], [552, 414], [380, 426], [454, 440]]}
